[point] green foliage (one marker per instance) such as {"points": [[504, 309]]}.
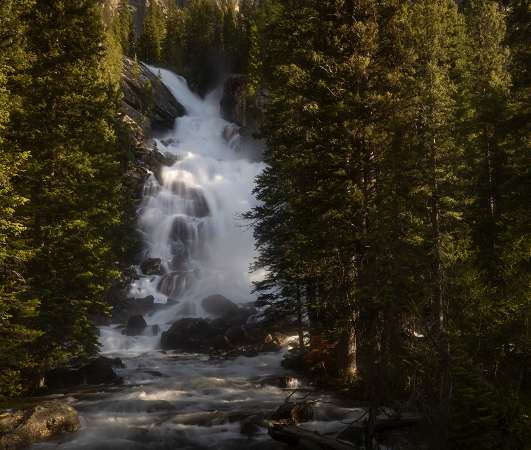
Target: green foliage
{"points": [[254, 63], [65, 208], [151, 39], [123, 28], [473, 421], [173, 46], [199, 26], [135, 68], [113, 58], [148, 96]]}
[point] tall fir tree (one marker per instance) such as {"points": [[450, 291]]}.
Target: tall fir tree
{"points": [[151, 39], [74, 177], [173, 45], [15, 335], [199, 28], [123, 28]]}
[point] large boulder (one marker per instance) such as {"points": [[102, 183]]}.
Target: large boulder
{"points": [[237, 317], [237, 336], [100, 371], [270, 344], [23, 428], [135, 325], [96, 371], [124, 307], [152, 266], [188, 334], [217, 305], [220, 342], [293, 413]]}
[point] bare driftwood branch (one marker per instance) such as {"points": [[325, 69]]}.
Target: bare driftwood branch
{"points": [[288, 398]]}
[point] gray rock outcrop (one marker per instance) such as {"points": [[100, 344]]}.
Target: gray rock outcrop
{"points": [[217, 305], [233, 103], [135, 326], [162, 108], [23, 428]]}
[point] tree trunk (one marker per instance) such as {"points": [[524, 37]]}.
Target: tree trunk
{"points": [[346, 352], [378, 389], [299, 320], [436, 245]]}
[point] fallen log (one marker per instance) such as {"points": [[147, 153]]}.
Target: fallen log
{"points": [[292, 435]]}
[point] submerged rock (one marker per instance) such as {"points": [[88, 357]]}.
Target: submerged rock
{"points": [[161, 406], [23, 428], [250, 429]]}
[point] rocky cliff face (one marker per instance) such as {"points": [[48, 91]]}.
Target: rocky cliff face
{"points": [[156, 109], [246, 112], [234, 103], [146, 111]]}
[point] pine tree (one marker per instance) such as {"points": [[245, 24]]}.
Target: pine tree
{"points": [[173, 45], [123, 28], [489, 91], [150, 41], [199, 29], [74, 176], [229, 34], [254, 62], [16, 335]]}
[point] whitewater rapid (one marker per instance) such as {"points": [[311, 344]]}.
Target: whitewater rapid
{"points": [[188, 218]]}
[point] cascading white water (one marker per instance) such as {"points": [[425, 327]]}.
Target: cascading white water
{"points": [[186, 218]]}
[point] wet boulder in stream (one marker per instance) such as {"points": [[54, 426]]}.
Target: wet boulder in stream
{"points": [[237, 335], [23, 428], [293, 413], [221, 342], [175, 283], [100, 371], [152, 266], [135, 325], [188, 334], [271, 345]]}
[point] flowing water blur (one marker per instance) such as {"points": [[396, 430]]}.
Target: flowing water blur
{"points": [[187, 218]]}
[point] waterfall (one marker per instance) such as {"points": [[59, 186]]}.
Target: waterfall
{"points": [[188, 216]]}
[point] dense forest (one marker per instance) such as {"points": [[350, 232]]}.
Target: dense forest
{"points": [[393, 222]]}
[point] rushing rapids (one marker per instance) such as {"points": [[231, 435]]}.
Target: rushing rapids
{"points": [[187, 218]]}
